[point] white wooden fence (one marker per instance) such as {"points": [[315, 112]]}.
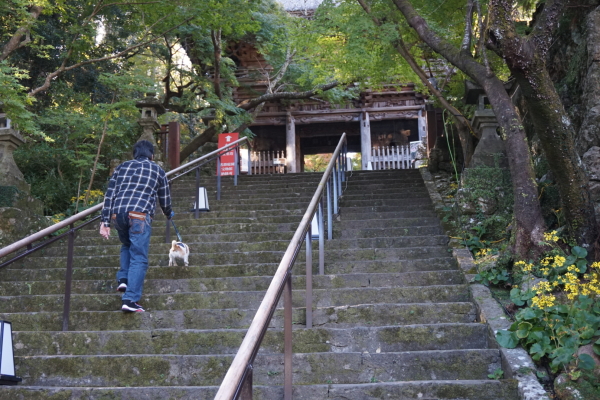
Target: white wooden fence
{"points": [[267, 162], [391, 157]]}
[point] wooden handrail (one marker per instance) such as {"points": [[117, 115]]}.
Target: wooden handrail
{"points": [[244, 358]]}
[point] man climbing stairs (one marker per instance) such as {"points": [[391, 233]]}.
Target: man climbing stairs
{"points": [[392, 314]]}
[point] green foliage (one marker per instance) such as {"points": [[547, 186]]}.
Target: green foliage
{"points": [[488, 183], [555, 332], [14, 100], [493, 276], [497, 374], [560, 314], [316, 162]]}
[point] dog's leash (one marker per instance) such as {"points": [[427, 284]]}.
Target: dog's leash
{"points": [[176, 231]]}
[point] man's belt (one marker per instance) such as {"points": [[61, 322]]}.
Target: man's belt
{"points": [[137, 215]]}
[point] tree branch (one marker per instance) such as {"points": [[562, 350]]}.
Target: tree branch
{"points": [[466, 42], [64, 68], [249, 104], [15, 42], [481, 42]]}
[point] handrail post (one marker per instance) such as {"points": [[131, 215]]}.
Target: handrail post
{"points": [[219, 177], [339, 181], [335, 189], [329, 212], [287, 333], [236, 168], [246, 392], [197, 211], [309, 273], [321, 238], [68, 279], [344, 160]]}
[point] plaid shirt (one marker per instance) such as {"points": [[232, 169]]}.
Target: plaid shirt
{"points": [[134, 186]]}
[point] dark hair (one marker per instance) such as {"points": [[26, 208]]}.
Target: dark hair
{"points": [[143, 148]]}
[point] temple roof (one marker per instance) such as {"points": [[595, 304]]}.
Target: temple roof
{"points": [[298, 5]]}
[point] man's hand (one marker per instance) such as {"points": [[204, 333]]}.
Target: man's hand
{"points": [[104, 231], [171, 215]]}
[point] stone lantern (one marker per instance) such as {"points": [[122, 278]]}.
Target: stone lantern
{"points": [[150, 108], [485, 125], [10, 140]]}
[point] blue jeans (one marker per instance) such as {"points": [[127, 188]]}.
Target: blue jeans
{"points": [[134, 235]]}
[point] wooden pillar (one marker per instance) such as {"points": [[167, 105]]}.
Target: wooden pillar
{"points": [[365, 139], [290, 147], [173, 143], [422, 122]]}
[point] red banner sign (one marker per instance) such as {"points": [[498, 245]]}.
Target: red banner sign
{"points": [[228, 158]]}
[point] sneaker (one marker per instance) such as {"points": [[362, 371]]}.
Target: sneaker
{"points": [[131, 306], [122, 285]]}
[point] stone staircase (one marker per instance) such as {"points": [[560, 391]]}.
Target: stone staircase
{"points": [[393, 317]]}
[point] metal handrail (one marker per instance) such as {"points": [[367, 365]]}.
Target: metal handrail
{"points": [[28, 242], [238, 380]]}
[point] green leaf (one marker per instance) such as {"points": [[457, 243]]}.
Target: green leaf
{"points": [[529, 314], [507, 339], [587, 333], [596, 347], [561, 356], [536, 351], [586, 362], [515, 297], [523, 330], [582, 266], [579, 252]]}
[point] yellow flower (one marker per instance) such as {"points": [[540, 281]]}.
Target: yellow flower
{"points": [[559, 261], [542, 302], [551, 237], [545, 262], [572, 268]]}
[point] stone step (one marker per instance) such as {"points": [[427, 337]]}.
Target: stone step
{"points": [[239, 299], [391, 201], [391, 232], [348, 223], [382, 314], [218, 228], [90, 240], [365, 213], [227, 341], [415, 390], [83, 271], [311, 368], [387, 215], [253, 283], [221, 258], [289, 190], [102, 247]]}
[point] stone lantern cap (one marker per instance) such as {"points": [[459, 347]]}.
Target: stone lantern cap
{"points": [[474, 94], [150, 106]]}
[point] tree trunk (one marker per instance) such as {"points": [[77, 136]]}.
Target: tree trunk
{"points": [[530, 226], [526, 59]]}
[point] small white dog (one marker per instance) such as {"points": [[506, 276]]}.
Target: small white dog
{"points": [[178, 250]]}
